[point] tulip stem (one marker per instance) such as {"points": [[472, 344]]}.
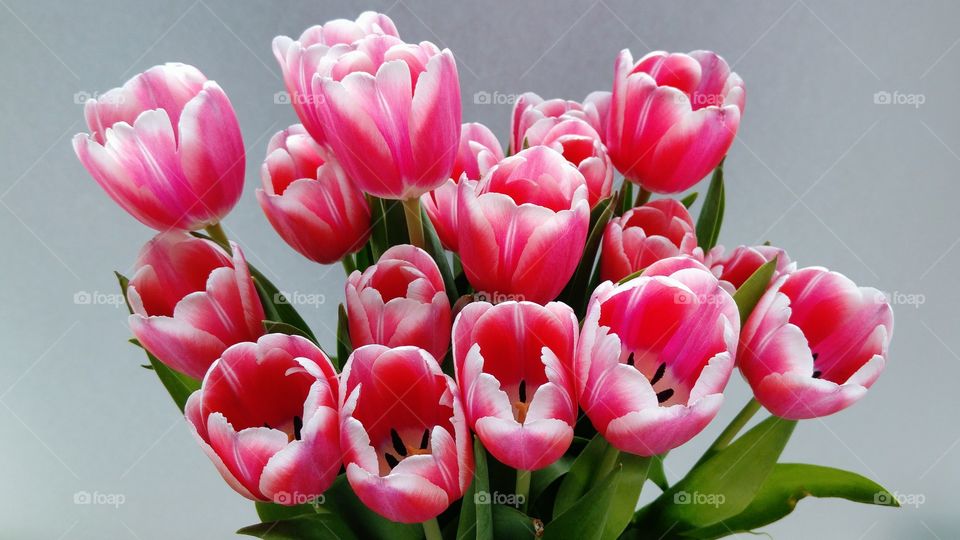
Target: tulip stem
{"points": [[216, 233], [349, 265], [411, 210], [431, 530], [643, 196], [732, 429], [523, 488]]}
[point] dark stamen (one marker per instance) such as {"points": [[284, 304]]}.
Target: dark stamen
{"points": [[664, 395], [425, 440], [297, 426], [391, 461], [266, 425], [659, 374], [817, 374], [398, 442], [630, 360], [815, 355], [523, 391]]}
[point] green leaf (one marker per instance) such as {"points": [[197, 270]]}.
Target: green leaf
{"points": [[306, 527], [587, 520], [625, 198], [341, 501], [723, 485], [277, 327], [595, 462], [509, 522], [633, 473], [276, 512], [364, 257], [476, 520], [711, 215], [435, 249], [753, 288], [178, 385], [689, 200], [543, 478], [577, 291], [786, 485], [628, 277], [344, 345]]}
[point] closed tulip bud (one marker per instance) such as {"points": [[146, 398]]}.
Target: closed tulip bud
{"points": [[166, 147], [644, 235], [311, 203]]}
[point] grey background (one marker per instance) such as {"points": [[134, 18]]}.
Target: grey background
{"points": [[818, 168]]}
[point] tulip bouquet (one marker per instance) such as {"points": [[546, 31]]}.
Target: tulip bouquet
{"points": [[524, 337]]}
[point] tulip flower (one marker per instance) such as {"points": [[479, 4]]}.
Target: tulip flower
{"points": [[191, 301], [644, 235], [166, 147], [311, 203], [479, 151], [390, 112], [734, 268], [311, 53], [266, 416], [400, 300], [672, 117], [406, 445], [530, 109], [655, 354], [522, 231], [815, 343], [514, 366]]}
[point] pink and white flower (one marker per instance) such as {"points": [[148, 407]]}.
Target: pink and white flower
{"points": [[735, 267], [406, 444], [310, 202], [266, 416], [166, 147], [655, 354], [514, 365], [815, 343], [644, 235], [191, 300]]}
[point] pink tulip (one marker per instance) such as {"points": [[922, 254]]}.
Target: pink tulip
{"points": [[734, 268], [655, 354], [644, 235], [191, 301], [672, 117], [166, 147], [266, 416], [815, 343], [400, 300], [406, 444], [479, 151], [514, 366], [530, 109], [311, 53], [311, 203], [522, 231], [391, 114]]}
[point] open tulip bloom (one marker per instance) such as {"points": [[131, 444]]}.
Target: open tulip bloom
{"points": [[514, 358]]}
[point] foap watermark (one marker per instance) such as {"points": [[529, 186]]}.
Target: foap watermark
{"points": [[494, 98], [97, 298], [515, 500], [687, 297], [288, 498], [883, 97], [297, 298], [80, 97], [703, 499], [903, 499], [496, 297], [284, 98], [99, 499], [900, 298]]}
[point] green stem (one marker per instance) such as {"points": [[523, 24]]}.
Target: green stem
{"points": [[642, 197], [523, 488], [431, 530], [216, 233], [609, 459], [349, 265], [411, 210], [732, 429]]}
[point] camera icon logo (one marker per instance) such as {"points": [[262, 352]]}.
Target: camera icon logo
{"points": [[482, 98], [82, 497], [882, 98], [82, 298], [481, 497], [281, 98]]}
